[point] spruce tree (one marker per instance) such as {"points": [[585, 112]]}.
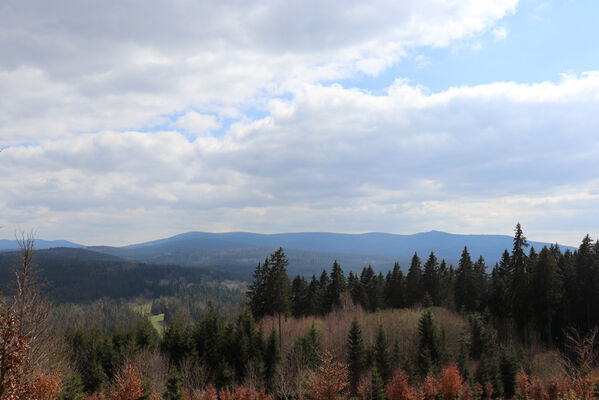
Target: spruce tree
{"points": [[299, 296], [355, 354], [464, 283], [272, 357], [546, 289], [430, 279], [431, 348], [382, 359], [518, 287], [377, 386], [336, 287], [257, 291], [394, 288], [173, 387], [414, 282]]}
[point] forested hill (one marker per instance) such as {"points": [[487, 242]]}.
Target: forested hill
{"points": [[80, 275], [310, 252]]}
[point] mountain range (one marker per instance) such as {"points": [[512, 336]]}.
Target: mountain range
{"points": [[308, 252]]}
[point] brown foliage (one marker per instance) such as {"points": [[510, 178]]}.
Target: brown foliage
{"points": [[128, 384], [13, 354], [466, 392], [210, 393], [430, 387], [451, 382], [556, 388], [537, 390], [330, 381], [523, 384], [363, 389], [399, 387], [488, 391], [45, 387], [583, 387]]}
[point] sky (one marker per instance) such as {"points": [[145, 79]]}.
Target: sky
{"points": [[126, 121]]}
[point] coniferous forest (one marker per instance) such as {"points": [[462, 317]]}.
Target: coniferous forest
{"points": [[522, 328]]}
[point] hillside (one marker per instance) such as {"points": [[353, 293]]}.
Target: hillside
{"points": [[80, 275], [310, 252]]}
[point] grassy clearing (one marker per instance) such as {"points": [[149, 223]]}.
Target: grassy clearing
{"points": [[158, 324], [157, 321]]}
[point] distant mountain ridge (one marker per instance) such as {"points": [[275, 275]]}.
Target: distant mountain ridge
{"points": [[40, 244], [308, 252]]}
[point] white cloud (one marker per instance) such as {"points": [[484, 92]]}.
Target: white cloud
{"points": [[196, 123], [469, 159], [76, 67]]}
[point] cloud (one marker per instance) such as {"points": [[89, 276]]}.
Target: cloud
{"points": [[196, 123], [500, 33], [80, 67], [469, 159]]}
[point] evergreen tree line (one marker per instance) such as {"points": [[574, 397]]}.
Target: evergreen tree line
{"points": [[539, 294]]}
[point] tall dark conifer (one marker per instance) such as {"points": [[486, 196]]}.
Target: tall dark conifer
{"points": [[414, 292], [355, 354], [430, 279]]}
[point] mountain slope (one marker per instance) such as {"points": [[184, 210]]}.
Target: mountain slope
{"points": [[311, 251]]}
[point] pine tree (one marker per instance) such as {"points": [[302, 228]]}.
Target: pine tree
{"points": [[546, 289], [336, 287], [414, 292], [173, 387], [381, 355], [323, 283], [355, 354], [272, 357], [518, 281], [394, 288], [479, 272], [431, 349], [430, 279], [464, 283], [299, 297], [377, 386], [257, 290]]}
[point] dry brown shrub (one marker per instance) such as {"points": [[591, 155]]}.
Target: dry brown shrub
{"points": [[584, 387], [580, 356], [330, 382], [451, 382], [523, 383], [363, 389], [430, 387], [46, 387], [225, 394], [466, 392], [488, 393], [537, 390], [557, 388], [399, 387], [210, 393], [128, 384]]}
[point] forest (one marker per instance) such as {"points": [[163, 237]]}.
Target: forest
{"points": [[524, 328]]}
